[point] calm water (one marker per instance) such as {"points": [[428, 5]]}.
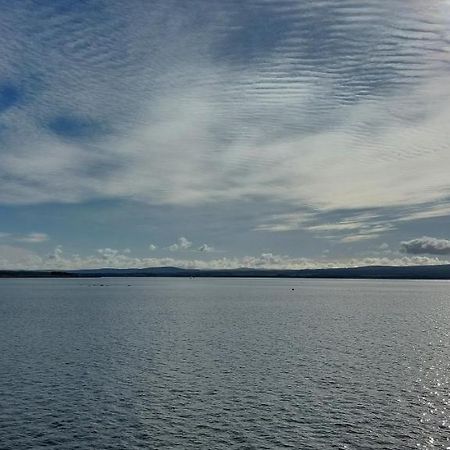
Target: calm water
{"points": [[216, 363]]}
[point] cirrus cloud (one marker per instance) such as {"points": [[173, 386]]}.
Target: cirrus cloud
{"points": [[310, 115], [324, 109]]}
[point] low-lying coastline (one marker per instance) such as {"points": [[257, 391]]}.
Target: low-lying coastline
{"points": [[430, 272]]}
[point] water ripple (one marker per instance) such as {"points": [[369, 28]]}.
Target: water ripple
{"points": [[224, 364]]}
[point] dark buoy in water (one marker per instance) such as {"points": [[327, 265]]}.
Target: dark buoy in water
{"points": [[292, 289]]}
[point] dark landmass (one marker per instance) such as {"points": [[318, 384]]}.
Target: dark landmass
{"points": [[441, 272], [34, 274]]}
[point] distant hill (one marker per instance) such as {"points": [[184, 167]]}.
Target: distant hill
{"points": [[441, 272], [35, 274]]}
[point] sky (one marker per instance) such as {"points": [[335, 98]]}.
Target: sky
{"points": [[224, 133]]}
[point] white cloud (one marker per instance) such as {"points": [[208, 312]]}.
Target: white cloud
{"points": [[205, 248], [12, 257], [55, 256], [32, 238], [426, 245], [108, 253], [286, 222], [357, 238], [273, 128], [353, 228], [18, 258], [341, 226], [185, 244], [182, 244], [152, 247], [426, 212], [290, 138]]}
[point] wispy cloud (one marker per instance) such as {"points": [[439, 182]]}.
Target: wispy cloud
{"points": [[287, 221], [333, 136], [333, 113], [357, 238], [32, 238], [426, 212], [347, 229]]}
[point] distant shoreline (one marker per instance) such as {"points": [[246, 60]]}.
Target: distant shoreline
{"points": [[437, 272]]}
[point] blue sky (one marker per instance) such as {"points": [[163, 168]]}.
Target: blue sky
{"points": [[266, 133]]}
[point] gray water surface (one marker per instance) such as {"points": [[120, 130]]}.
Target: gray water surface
{"points": [[224, 363]]}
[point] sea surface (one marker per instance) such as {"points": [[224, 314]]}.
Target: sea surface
{"points": [[224, 364]]}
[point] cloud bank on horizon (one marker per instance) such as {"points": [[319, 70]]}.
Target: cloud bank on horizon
{"points": [[299, 120]]}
